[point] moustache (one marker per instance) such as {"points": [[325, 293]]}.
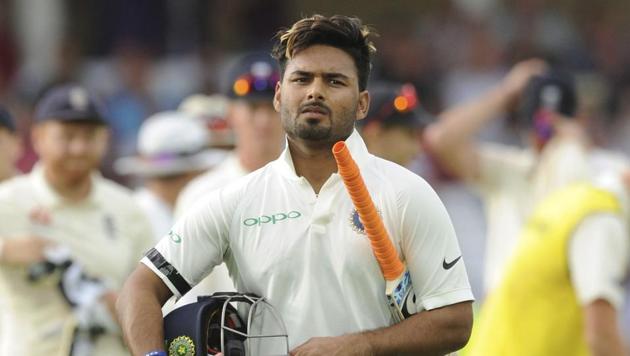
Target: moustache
{"points": [[315, 106]]}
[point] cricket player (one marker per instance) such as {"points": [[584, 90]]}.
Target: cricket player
{"points": [[393, 127], [68, 237], [512, 180], [562, 291], [172, 150], [287, 231]]}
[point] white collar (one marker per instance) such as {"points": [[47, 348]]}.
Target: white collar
{"points": [[358, 150]]}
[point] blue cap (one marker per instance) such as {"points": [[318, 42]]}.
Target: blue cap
{"points": [[6, 121], [69, 102], [396, 104], [253, 77]]}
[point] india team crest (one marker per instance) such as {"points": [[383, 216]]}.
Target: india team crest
{"points": [[182, 346], [356, 223]]}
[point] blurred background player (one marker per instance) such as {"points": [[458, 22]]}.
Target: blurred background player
{"points": [[511, 179], [393, 127], [69, 237], [256, 125], [562, 291], [259, 140], [10, 149], [172, 150]]}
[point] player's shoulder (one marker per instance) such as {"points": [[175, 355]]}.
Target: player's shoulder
{"points": [[249, 184], [606, 160]]}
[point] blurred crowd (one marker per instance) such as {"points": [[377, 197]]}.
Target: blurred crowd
{"points": [[146, 56]]}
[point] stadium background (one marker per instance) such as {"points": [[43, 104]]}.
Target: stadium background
{"points": [[144, 56]]}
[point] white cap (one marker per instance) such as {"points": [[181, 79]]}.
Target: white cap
{"points": [[212, 111], [170, 142]]}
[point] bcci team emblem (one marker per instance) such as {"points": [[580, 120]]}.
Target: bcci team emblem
{"points": [[182, 346], [356, 223]]}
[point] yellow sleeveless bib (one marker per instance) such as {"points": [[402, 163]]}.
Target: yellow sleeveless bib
{"points": [[534, 310]]}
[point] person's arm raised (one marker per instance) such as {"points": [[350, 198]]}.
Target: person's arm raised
{"points": [[450, 140], [139, 309]]}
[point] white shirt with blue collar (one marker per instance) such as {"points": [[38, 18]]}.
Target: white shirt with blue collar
{"points": [[307, 253]]}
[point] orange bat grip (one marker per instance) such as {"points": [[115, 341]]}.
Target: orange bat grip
{"points": [[382, 246]]}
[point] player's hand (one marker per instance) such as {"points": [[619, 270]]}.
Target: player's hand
{"points": [[24, 251], [355, 344], [517, 78]]}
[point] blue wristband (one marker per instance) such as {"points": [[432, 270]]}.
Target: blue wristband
{"points": [[157, 353]]}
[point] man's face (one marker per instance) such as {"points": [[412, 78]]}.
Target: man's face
{"points": [[399, 144], [318, 98], [256, 123], [70, 149], [9, 153]]}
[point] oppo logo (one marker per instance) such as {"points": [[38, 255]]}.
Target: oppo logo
{"points": [[271, 219]]}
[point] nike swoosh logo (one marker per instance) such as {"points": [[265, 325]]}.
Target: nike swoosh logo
{"points": [[449, 265]]}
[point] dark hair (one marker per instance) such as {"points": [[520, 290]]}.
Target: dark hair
{"points": [[343, 32]]}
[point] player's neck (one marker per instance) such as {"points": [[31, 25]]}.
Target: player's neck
{"points": [[69, 189], [314, 164]]}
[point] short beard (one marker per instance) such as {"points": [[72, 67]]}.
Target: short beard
{"points": [[315, 133], [306, 131]]}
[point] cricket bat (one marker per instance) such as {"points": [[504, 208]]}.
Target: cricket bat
{"points": [[398, 287]]}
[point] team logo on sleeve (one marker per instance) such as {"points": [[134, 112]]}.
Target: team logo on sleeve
{"points": [[182, 346], [174, 237]]}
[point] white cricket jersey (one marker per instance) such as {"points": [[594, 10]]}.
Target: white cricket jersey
{"points": [[106, 233], [513, 180], [599, 250], [307, 253]]}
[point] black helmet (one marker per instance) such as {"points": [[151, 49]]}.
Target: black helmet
{"points": [[553, 91]]}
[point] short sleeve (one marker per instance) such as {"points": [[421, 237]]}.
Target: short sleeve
{"points": [[196, 243], [431, 250], [599, 258]]}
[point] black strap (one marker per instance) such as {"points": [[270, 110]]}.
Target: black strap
{"points": [[168, 270]]}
